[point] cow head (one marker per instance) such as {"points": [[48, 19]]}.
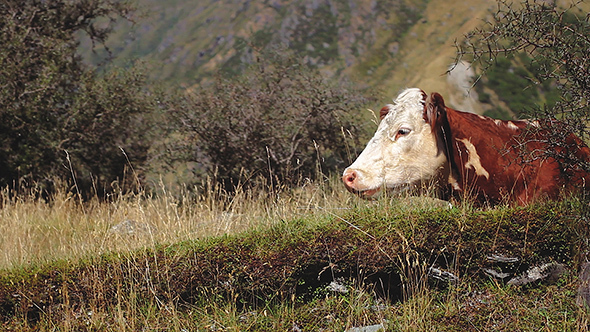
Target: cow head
{"points": [[405, 150]]}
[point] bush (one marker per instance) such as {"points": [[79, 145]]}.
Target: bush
{"points": [[110, 132], [280, 120], [57, 118], [556, 42]]}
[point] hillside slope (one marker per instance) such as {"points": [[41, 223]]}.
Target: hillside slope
{"points": [[428, 51], [387, 44], [382, 252]]}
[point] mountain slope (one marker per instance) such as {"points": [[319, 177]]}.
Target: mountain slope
{"points": [[389, 44], [428, 51]]}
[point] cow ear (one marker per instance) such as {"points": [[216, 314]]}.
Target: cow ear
{"points": [[434, 110], [383, 112]]}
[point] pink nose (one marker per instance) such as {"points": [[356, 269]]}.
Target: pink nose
{"points": [[348, 178]]}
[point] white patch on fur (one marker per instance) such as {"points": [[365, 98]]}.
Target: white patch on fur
{"points": [[511, 125], [474, 160]]}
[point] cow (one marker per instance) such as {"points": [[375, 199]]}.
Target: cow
{"points": [[420, 141]]}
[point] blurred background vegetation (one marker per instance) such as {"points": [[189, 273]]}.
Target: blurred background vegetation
{"points": [[113, 95]]}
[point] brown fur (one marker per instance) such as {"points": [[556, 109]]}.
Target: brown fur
{"points": [[512, 152]]}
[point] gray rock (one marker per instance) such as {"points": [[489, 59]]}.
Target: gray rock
{"points": [[546, 272], [496, 274], [371, 328], [130, 227], [337, 287], [441, 275], [583, 296], [502, 259]]}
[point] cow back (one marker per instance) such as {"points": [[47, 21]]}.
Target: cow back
{"points": [[495, 161]]}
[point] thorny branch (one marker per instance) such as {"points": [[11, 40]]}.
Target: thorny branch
{"points": [[556, 40]]}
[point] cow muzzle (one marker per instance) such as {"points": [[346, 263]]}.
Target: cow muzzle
{"points": [[351, 182]]}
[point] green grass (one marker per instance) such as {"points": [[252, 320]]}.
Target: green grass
{"points": [[275, 274]]}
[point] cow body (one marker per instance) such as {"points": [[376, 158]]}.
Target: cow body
{"points": [[421, 141]]}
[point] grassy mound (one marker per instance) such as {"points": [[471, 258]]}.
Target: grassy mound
{"points": [[379, 253]]}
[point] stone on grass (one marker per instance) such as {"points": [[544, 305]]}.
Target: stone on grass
{"points": [[549, 272], [130, 227], [583, 296], [441, 275], [371, 328]]}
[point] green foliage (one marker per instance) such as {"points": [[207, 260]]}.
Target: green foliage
{"points": [[57, 119], [63, 120], [514, 79], [280, 120], [499, 113], [512, 85]]}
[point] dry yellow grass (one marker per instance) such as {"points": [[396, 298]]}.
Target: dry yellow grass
{"points": [[35, 231]]}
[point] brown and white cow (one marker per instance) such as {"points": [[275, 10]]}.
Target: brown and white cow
{"points": [[420, 141]]}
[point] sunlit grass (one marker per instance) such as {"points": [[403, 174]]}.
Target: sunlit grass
{"points": [[34, 230]]}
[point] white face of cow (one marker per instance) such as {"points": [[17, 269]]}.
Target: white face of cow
{"points": [[402, 152]]}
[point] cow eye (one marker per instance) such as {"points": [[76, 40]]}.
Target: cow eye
{"points": [[401, 132]]}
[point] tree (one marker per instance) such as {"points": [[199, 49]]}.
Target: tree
{"points": [[57, 117], [557, 41]]}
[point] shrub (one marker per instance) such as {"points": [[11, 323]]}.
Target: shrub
{"points": [[556, 41], [110, 131], [57, 118], [280, 120]]}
